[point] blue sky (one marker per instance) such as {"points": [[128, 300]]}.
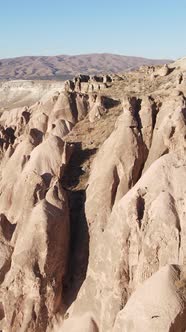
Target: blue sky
{"points": [[153, 29]]}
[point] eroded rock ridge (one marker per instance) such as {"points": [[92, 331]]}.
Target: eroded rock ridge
{"points": [[92, 206]]}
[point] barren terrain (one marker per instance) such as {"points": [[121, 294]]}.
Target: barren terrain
{"points": [[92, 205], [63, 67]]}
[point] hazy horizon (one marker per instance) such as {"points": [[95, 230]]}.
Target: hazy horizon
{"points": [[83, 54], [153, 30]]}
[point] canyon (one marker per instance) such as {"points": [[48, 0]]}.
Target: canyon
{"points": [[92, 202]]}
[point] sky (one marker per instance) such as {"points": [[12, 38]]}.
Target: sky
{"points": [[147, 28]]}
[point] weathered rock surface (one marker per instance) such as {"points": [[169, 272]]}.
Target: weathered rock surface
{"points": [[92, 214], [34, 203], [158, 305]]}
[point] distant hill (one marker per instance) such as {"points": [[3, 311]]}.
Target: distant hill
{"points": [[64, 67]]}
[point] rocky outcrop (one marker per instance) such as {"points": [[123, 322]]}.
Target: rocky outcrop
{"points": [[169, 131], [120, 170], [131, 238], [97, 108], [31, 292], [164, 71], [32, 199], [33, 203], [144, 233]]}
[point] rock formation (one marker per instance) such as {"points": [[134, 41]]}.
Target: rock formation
{"points": [[92, 206], [157, 305]]}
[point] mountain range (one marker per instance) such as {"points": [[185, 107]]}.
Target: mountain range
{"points": [[64, 67]]}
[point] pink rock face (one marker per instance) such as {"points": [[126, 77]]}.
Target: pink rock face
{"points": [[85, 323], [142, 235], [38, 206], [118, 173], [92, 209], [33, 203], [157, 305], [38, 264]]}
